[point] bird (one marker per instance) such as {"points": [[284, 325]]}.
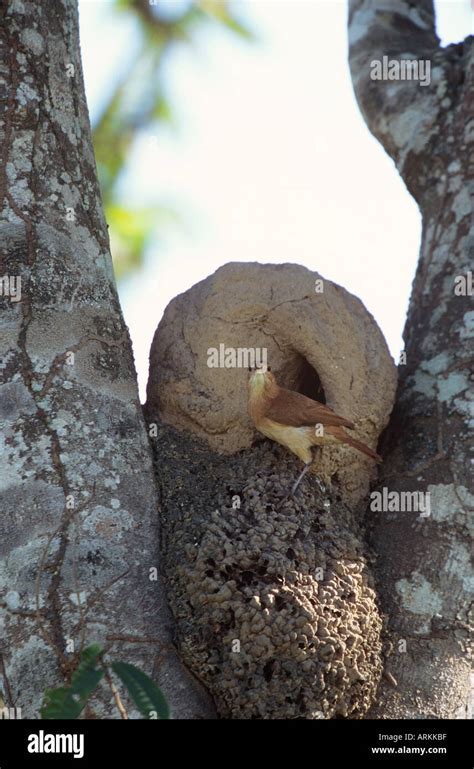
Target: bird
{"points": [[296, 421]]}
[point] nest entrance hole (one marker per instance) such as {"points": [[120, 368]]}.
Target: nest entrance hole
{"points": [[305, 379]]}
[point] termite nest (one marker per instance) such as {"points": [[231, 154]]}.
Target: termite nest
{"points": [[274, 603]]}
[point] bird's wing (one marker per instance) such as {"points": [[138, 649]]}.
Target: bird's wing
{"points": [[295, 409], [342, 436]]}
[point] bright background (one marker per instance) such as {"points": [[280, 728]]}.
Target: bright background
{"points": [[268, 159]]}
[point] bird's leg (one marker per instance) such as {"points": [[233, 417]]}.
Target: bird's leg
{"points": [[296, 483], [300, 477]]}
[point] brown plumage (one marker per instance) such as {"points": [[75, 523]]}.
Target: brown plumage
{"points": [[290, 418]]}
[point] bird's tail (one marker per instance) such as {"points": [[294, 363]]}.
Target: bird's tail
{"points": [[345, 438]]}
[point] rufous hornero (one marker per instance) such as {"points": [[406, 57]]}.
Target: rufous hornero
{"points": [[295, 421]]}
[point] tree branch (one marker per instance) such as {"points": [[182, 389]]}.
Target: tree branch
{"points": [[393, 41]]}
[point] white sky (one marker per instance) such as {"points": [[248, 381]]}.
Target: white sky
{"points": [[271, 160]]}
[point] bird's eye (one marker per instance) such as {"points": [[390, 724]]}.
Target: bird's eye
{"points": [[250, 368], [269, 368]]}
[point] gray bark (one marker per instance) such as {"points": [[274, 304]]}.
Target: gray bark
{"points": [[77, 490], [424, 573]]}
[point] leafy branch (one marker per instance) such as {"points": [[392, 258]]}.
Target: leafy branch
{"points": [[138, 103], [68, 702]]}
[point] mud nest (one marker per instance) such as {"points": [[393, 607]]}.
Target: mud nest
{"points": [[274, 605]]}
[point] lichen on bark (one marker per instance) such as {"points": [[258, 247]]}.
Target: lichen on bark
{"points": [[78, 528], [427, 587]]}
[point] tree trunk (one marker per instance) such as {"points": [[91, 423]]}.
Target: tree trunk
{"points": [[78, 498], [79, 537], [423, 561]]}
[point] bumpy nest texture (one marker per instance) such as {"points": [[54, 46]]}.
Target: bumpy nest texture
{"points": [[274, 607]]}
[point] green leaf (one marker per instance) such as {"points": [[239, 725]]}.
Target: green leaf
{"points": [[146, 695], [67, 702], [240, 29], [86, 676], [130, 230], [220, 11], [58, 703]]}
